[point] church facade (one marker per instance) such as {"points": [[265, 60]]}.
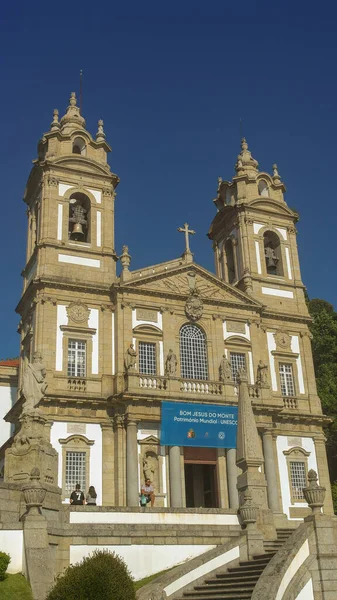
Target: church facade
{"points": [[113, 347]]}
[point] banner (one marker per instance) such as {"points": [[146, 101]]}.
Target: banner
{"points": [[199, 425]]}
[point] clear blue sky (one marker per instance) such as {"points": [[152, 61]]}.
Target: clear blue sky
{"points": [[171, 82]]}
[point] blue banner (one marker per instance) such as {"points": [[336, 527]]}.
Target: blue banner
{"points": [[199, 425]]}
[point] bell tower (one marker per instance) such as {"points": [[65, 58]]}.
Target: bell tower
{"points": [[70, 255], [254, 236]]}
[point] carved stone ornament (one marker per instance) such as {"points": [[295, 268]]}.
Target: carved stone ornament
{"points": [[194, 306], [283, 340], [314, 493], [53, 181], [78, 312]]}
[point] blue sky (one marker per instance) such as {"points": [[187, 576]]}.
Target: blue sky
{"points": [[171, 83]]}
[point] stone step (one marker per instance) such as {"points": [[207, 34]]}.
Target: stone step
{"points": [[219, 596], [230, 578], [219, 587]]}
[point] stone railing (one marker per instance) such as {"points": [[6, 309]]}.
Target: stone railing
{"points": [[253, 391], [154, 383], [290, 402], [77, 384], [200, 387]]}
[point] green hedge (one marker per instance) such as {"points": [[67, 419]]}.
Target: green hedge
{"points": [[5, 559], [102, 575]]}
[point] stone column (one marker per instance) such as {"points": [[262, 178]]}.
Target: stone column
{"points": [[108, 459], [175, 477], [132, 492], [232, 477], [270, 470]]}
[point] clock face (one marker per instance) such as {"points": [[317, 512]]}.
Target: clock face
{"points": [[78, 312]]}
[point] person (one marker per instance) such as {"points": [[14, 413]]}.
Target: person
{"points": [[91, 496], [147, 493], [77, 496]]}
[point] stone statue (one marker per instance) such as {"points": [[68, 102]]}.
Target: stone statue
{"points": [[262, 373], [271, 258], [34, 385], [171, 364], [149, 467], [130, 358], [225, 369]]}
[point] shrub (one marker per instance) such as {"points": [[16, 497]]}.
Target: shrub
{"points": [[5, 559], [102, 575]]}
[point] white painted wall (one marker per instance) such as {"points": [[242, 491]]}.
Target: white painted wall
{"points": [[8, 396], [306, 593], [272, 346], [295, 347], [113, 366], [136, 322], [202, 570], [61, 319], [11, 541], [79, 260], [282, 231], [257, 227], [94, 324], [153, 518], [228, 334], [94, 433], [258, 257], [99, 228], [282, 445], [145, 560], [293, 568], [276, 292], [290, 275], [97, 194], [59, 221]]}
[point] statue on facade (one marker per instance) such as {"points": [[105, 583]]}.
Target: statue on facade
{"points": [[130, 358], [225, 369], [262, 373], [34, 385], [149, 467], [271, 258], [171, 364]]}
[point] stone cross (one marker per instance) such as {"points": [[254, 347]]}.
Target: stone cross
{"points": [[187, 231]]}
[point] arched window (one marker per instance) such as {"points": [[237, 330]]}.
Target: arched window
{"points": [[79, 146], [229, 250], [263, 188], [272, 253], [79, 217], [193, 354]]}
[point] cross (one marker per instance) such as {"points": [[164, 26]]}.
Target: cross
{"points": [[187, 231]]}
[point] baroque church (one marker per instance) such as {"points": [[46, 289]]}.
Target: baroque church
{"points": [[109, 351]]}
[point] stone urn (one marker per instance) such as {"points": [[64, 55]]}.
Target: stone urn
{"points": [[34, 493], [314, 493], [248, 510]]}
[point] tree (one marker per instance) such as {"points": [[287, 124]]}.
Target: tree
{"points": [[324, 348]]}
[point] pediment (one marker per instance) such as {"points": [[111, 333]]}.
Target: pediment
{"points": [[73, 161], [151, 440], [183, 280], [272, 206]]}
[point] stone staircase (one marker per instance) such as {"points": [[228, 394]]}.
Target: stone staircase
{"points": [[238, 582]]}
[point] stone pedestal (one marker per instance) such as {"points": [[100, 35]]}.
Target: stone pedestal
{"points": [[132, 491], [175, 477], [31, 449]]}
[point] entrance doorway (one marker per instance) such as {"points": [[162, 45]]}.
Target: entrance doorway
{"points": [[201, 477], [200, 486]]}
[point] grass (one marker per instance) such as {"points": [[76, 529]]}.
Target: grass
{"points": [[141, 582], [15, 587]]}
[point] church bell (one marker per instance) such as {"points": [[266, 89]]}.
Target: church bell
{"points": [[77, 232]]}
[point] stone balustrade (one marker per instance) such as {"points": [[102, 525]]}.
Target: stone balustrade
{"points": [[290, 402]]}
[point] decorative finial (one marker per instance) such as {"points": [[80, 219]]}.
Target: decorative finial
{"points": [[244, 144], [219, 184], [72, 100], [276, 176], [125, 258], [100, 135], [55, 122], [245, 162]]}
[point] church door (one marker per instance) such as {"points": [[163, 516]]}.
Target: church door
{"points": [[201, 477]]}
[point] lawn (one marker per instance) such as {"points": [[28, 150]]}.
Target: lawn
{"points": [[141, 582], [15, 587]]}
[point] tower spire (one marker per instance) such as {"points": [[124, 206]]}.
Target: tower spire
{"points": [[245, 162]]}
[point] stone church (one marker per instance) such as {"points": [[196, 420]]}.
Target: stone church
{"points": [[109, 349]]}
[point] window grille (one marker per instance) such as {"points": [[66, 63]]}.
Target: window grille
{"points": [[76, 358], [147, 358], [298, 479], [75, 471], [238, 361], [193, 355], [287, 380]]}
